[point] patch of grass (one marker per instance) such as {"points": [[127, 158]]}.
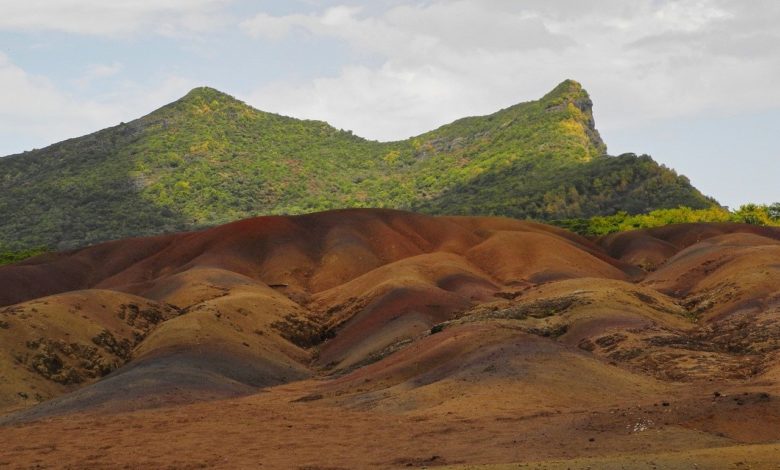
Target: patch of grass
{"points": [[15, 256]]}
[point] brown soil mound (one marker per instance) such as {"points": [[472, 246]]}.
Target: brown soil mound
{"points": [[378, 338]]}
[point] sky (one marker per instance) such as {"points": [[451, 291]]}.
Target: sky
{"points": [[694, 83]]}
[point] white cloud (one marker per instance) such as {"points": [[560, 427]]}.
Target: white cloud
{"points": [[267, 26], [34, 110], [690, 16], [103, 70], [111, 17], [385, 103], [95, 72], [404, 30], [439, 60], [33, 105]]}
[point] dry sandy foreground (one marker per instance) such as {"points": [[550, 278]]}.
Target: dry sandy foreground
{"points": [[753, 456], [272, 430], [385, 339]]}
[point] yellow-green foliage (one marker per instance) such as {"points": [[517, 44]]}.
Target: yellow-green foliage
{"points": [[603, 225], [9, 257], [757, 214]]}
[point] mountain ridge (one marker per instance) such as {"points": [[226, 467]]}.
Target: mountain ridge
{"points": [[208, 158]]}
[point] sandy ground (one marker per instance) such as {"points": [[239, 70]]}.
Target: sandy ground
{"points": [[736, 458], [273, 430]]}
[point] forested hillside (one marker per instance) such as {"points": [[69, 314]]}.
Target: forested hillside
{"points": [[208, 159]]}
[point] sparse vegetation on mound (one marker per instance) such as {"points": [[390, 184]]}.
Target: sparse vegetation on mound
{"points": [[14, 256], [208, 159]]}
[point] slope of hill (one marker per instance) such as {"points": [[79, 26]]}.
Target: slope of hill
{"points": [[379, 338], [208, 159]]}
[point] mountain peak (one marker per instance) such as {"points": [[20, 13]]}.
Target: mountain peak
{"points": [[205, 93], [570, 92], [568, 87], [200, 101]]}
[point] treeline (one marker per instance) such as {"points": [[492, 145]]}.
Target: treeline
{"points": [[755, 214]]}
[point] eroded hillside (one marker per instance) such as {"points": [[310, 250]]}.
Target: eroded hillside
{"points": [[407, 337]]}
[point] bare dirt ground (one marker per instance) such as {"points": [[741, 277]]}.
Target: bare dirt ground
{"points": [[384, 339], [272, 430]]}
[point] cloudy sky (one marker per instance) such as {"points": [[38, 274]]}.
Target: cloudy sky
{"points": [[692, 82]]}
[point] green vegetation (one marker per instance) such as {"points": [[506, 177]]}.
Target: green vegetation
{"points": [[208, 159], [622, 221], [9, 257]]}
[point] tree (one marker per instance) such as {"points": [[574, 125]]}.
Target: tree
{"points": [[752, 214], [774, 211]]}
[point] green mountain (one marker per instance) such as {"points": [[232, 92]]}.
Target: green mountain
{"points": [[208, 159]]}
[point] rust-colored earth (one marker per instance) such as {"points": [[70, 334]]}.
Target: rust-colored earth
{"points": [[375, 338]]}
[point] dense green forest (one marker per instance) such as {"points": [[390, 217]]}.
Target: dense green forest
{"points": [[208, 159]]}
